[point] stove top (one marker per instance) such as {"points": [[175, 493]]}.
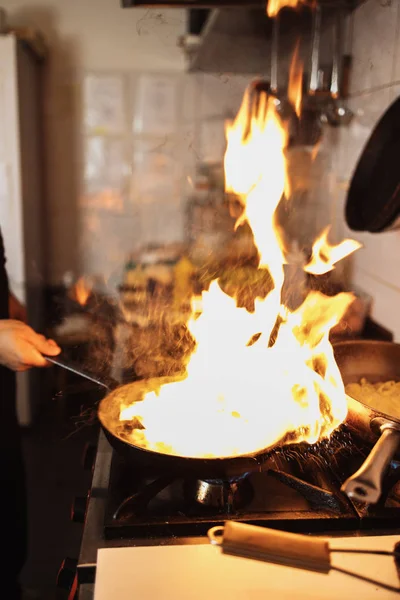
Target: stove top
{"points": [[172, 505], [297, 489]]}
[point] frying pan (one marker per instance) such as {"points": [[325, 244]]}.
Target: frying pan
{"points": [[211, 468], [373, 199], [376, 361], [109, 409]]}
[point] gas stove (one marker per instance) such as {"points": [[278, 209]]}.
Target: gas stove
{"points": [[296, 490]]}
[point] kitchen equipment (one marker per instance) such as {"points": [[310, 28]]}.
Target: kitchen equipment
{"points": [[283, 106], [295, 490], [376, 361], [337, 112], [108, 414], [108, 384], [261, 90], [288, 549], [310, 126], [223, 468], [373, 199]]}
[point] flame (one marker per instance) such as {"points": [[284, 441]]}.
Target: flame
{"points": [[243, 393], [324, 256], [296, 81], [274, 6], [81, 291]]}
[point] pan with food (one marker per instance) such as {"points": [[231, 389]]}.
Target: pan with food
{"points": [[371, 374], [126, 438]]}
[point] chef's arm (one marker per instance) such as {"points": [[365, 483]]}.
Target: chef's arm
{"points": [[21, 347]]}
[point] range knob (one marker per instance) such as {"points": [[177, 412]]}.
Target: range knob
{"points": [[67, 578], [78, 509], [89, 457]]}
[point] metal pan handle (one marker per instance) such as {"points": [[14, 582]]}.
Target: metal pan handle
{"points": [[60, 362], [366, 484]]}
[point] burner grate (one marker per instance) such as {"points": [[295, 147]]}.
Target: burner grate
{"points": [[141, 503]]}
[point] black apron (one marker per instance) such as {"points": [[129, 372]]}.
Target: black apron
{"points": [[12, 476]]}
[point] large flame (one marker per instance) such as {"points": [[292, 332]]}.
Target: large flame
{"points": [[255, 379], [324, 256]]}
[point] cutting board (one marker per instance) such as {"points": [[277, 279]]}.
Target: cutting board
{"points": [[202, 572]]}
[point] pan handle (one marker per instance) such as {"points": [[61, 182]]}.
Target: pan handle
{"points": [[60, 362], [366, 484]]}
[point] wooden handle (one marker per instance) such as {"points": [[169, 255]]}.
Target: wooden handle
{"points": [[279, 547]]}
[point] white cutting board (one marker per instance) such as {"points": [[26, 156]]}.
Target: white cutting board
{"points": [[202, 572]]}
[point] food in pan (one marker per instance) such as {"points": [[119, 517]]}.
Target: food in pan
{"points": [[383, 396]]}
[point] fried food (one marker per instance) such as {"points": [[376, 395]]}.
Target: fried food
{"points": [[382, 396]]}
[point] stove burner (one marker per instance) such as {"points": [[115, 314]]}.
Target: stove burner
{"points": [[297, 489], [228, 496]]}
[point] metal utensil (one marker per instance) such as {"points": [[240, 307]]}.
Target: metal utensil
{"points": [[337, 112], [262, 90], [376, 361], [283, 105], [310, 126], [60, 362]]}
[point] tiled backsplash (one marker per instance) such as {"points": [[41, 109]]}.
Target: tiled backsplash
{"points": [[375, 83]]}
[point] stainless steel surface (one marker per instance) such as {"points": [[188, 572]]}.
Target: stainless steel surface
{"points": [[335, 77], [274, 55], [337, 112], [309, 128], [366, 484], [313, 85], [219, 493]]}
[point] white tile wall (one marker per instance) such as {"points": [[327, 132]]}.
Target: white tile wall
{"points": [[368, 108], [222, 94], [396, 57], [374, 36], [380, 256], [394, 92], [385, 308], [374, 85]]}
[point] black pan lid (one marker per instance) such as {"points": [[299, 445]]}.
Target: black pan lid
{"points": [[373, 199]]}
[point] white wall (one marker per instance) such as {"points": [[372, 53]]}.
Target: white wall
{"points": [[86, 35], [375, 83]]}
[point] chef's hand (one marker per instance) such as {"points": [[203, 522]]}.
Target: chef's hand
{"points": [[16, 310], [22, 348]]}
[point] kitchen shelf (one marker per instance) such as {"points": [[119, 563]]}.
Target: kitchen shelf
{"points": [[226, 42]]}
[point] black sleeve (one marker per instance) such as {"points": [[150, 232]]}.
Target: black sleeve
{"points": [[3, 282], [2, 253]]}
